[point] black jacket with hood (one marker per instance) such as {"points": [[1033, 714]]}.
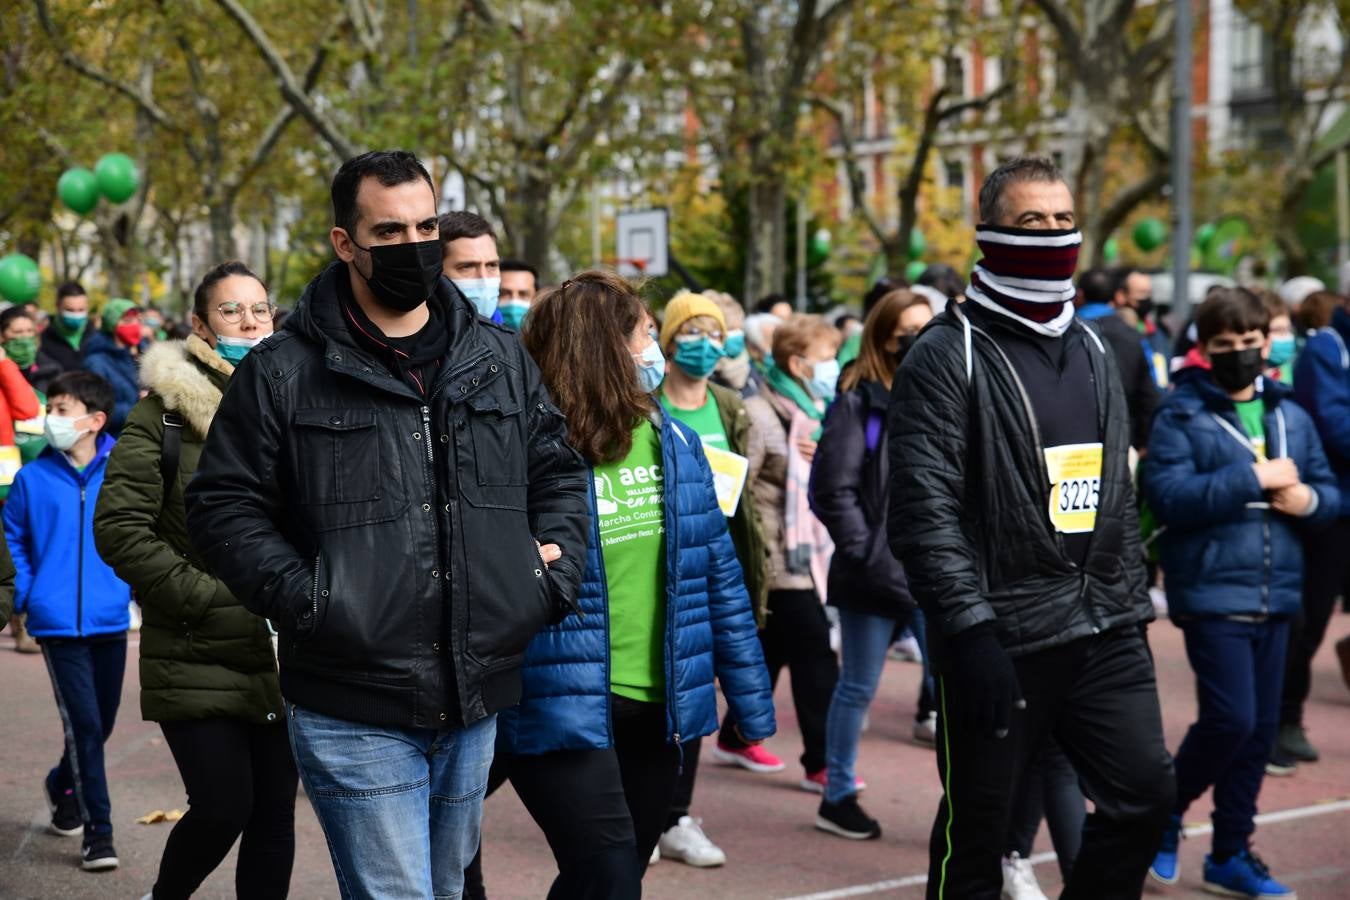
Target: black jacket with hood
{"points": [[390, 536], [970, 498]]}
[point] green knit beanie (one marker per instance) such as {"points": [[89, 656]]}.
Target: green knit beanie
{"points": [[113, 311]]}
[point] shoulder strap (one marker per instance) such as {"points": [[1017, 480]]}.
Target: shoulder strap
{"points": [[170, 450], [875, 422]]}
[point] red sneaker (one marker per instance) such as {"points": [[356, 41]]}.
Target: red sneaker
{"points": [[815, 783], [756, 759]]}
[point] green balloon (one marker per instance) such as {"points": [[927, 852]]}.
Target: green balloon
{"points": [[918, 244], [818, 248], [20, 279], [1204, 236], [78, 190], [117, 177], [914, 271], [1149, 234], [1111, 250]]}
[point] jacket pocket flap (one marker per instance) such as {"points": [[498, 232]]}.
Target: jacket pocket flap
{"points": [[335, 419]]}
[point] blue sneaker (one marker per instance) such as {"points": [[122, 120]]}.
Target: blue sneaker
{"points": [[1164, 868], [1244, 875]]}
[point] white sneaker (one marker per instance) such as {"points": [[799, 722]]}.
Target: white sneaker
{"points": [[1019, 880], [656, 856], [906, 650], [687, 843], [925, 730], [135, 610]]}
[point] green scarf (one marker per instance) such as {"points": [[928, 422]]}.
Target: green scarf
{"points": [[787, 386], [72, 336]]}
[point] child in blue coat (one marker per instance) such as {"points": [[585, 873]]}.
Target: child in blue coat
{"points": [[1237, 475], [76, 606]]}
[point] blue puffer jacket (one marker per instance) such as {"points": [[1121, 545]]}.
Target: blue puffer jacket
{"points": [[1223, 553], [1322, 387], [60, 580], [114, 363], [710, 631]]}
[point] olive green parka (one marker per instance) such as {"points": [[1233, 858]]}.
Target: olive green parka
{"points": [[203, 655]]}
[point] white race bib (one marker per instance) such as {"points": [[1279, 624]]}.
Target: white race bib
{"points": [[1075, 486]]}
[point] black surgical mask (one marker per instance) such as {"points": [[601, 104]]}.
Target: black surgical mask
{"points": [[1144, 307], [403, 276], [1237, 369]]}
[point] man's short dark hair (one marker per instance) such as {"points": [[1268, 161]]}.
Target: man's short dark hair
{"points": [[464, 224], [1014, 171], [943, 278], [86, 387], [1236, 310], [69, 289], [1098, 285], [14, 312], [768, 302], [519, 265], [1120, 278], [390, 167]]}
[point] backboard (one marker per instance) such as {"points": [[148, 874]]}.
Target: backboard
{"points": [[643, 236]]}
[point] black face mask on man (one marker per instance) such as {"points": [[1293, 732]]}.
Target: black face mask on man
{"points": [[402, 276], [1236, 370]]}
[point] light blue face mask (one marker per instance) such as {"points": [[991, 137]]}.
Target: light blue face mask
{"points": [[697, 355], [234, 349], [651, 367], [735, 344], [513, 313], [483, 293], [824, 380], [1281, 350]]}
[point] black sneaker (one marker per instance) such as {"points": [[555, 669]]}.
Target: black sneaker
{"points": [[65, 810], [1281, 764], [99, 855], [847, 819], [1293, 741]]}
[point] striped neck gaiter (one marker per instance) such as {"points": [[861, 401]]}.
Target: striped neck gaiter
{"points": [[1027, 275]]}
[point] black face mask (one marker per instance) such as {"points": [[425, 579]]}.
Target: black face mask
{"points": [[403, 276], [1145, 307], [1237, 369]]}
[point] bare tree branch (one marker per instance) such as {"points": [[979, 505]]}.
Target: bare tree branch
{"points": [[857, 182], [1070, 40], [1125, 200], [291, 89], [595, 117]]}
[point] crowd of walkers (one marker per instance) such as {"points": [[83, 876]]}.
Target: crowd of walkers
{"points": [[448, 528]]}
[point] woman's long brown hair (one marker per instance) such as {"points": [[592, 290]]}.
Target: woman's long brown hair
{"points": [[875, 363], [578, 334]]}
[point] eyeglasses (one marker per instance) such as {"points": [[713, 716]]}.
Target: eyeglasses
{"points": [[232, 311], [694, 331]]}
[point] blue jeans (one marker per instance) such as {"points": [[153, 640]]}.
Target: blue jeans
{"points": [[400, 807], [918, 625], [1239, 672], [87, 680], [865, 640]]}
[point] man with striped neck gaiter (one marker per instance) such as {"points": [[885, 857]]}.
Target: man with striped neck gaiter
{"points": [[1013, 512]]}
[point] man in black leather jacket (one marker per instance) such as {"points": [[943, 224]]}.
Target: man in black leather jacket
{"points": [[374, 483], [1012, 511]]}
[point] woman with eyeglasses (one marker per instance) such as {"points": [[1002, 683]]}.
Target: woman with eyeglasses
{"points": [[208, 670]]}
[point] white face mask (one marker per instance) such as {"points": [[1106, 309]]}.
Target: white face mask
{"points": [[61, 433]]}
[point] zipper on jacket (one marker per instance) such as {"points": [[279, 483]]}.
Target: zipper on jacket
{"points": [[79, 581], [314, 598], [668, 477]]}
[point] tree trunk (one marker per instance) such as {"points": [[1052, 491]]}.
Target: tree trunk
{"points": [[765, 264], [220, 214], [535, 212]]}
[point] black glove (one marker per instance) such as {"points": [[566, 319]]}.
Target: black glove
{"points": [[984, 682]]}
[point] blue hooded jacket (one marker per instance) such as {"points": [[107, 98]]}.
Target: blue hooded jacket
{"points": [[60, 580], [710, 631], [1224, 550], [114, 363], [1322, 387]]}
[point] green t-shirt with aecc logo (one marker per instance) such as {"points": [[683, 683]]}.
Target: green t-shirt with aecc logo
{"points": [[706, 421], [1249, 414], [631, 502]]}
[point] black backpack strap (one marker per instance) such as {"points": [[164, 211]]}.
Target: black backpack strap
{"points": [[169, 452]]}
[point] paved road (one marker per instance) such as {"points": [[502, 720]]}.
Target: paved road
{"points": [[763, 822]]}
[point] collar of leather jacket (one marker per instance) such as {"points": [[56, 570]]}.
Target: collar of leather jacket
{"points": [[471, 361]]}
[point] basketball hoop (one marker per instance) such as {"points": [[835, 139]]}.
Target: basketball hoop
{"points": [[642, 243], [629, 267]]}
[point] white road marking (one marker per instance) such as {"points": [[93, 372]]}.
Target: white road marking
{"points": [[1321, 808]]}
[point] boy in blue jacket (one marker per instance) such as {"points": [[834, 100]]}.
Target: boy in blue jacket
{"points": [[1237, 475], [77, 607]]}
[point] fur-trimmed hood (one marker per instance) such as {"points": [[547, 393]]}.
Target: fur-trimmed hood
{"points": [[177, 373]]}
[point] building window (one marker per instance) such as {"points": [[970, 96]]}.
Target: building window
{"points": [[955, 176], [1251, 57]]}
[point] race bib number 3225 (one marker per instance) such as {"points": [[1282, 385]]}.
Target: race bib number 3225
{"points": [[1075, 486]]}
